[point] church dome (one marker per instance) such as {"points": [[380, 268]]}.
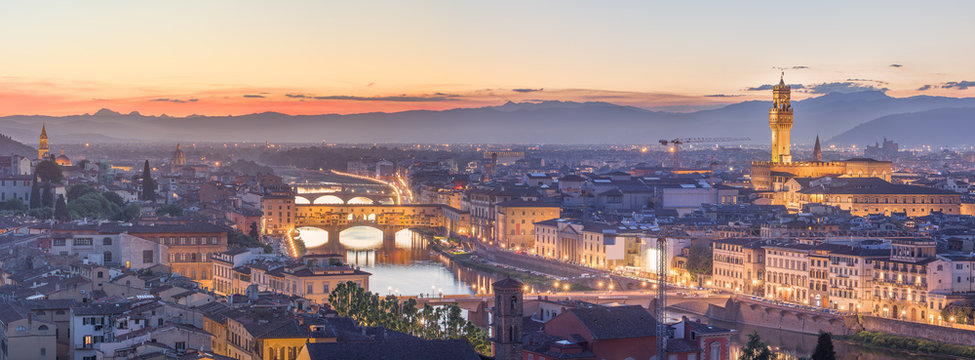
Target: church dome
{"points": [[62, 159]]}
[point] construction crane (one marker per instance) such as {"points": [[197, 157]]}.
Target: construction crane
{"points": [[663, 330], [675, 144]]}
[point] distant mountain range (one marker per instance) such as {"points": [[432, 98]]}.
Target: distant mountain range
{"points": [[10, 146], [844, 118]]}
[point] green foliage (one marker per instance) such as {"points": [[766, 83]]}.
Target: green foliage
{"points": [[241, 240], [128, 212], [912, 344], [15, 205], [78, 190], [47, 197], [248, 167], [41, 212], [92, 206], [61, 209], [49, 171], [824, 348], [35, 195], [755, 349], [114, 198], [961, 313], [253, 231], [171, 210], [148, 184], [428, 322], [699, 260]]}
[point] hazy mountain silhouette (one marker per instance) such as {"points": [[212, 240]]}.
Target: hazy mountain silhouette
{"points": [[541, 122], [9, 146], [946, 126]]}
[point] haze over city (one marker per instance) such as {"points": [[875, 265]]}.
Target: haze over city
{"points": [[505, 180]]}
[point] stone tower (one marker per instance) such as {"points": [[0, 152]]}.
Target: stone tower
{"points": [[817, 151], [780, 120], [42, 146], [508, 310]]}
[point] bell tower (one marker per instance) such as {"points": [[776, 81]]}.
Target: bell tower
{"points": [[42, 150], [508, 321], [780, 120]]}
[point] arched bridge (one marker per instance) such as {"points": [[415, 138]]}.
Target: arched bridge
{"points": [[343, 198], [325, 224]]}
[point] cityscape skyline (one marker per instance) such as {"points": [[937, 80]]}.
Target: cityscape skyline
{"points": [[312, 58]]}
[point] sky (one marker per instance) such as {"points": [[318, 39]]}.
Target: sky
{"points": [[220, 57]]}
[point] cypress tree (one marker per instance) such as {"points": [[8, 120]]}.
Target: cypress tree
{"points": [[47, 198], [148, 185], [61, 209], [35, 195], [253, 232], [824, 348]]}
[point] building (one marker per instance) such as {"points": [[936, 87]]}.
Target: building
{"points": [[595, 332], [508, 319], [24, 337], [62, 159], [15, 187], [570, 241], [739, 264], [768, 176], [279, 211], [42, 150], [179, 158], [515, 227], [312, 277], [864, 196], [118, 250], [787, 272], [901, 282], [850, 273]]}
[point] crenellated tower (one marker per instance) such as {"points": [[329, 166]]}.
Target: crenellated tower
{"points": [[780, 120]]}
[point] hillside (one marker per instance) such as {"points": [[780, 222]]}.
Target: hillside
{"points": [[949, 126], [543, 122]]}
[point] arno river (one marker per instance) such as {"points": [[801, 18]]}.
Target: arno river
{"points": [[408, 267]]}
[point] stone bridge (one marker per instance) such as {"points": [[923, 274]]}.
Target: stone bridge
{"points": [[342, 198]]}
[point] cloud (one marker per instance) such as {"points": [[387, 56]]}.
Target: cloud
{"points": [[401, 98], [722, 95], [174, 100], [371, 84], [924, 88], [896, 65], [524, 90], [253, 96], [879, 82], [800, 67], [960, 85], [767, 87], [842, 87], [297, 96]]}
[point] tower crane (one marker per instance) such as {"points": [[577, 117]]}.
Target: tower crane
{"points": [[676, 143]]}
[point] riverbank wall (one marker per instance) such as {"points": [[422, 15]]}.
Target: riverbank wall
{"points": [[798, 320], [781, 317]]}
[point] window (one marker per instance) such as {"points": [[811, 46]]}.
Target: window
{"points": [[311, 289], [107, 257], [147, 256], [59, 242], [107, 241], [82, 242]]}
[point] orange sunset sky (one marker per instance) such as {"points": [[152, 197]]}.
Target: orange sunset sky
{"points": [[314, 57]]}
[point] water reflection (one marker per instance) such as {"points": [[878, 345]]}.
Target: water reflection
{"points": [[312, 236], [361, 238]]}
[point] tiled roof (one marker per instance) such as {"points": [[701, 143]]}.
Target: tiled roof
{"points": [[616, 322]]}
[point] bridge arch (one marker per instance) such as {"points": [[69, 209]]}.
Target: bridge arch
{"points": [[329, 200], [301, 200], [360, 200], [312, 236], [361, 237]]}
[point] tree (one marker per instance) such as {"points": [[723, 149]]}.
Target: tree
{"points": [[49, 171], [114, 198], [171, 210], [699, 260], [41, 212], [253, 232], [47, 197], [15, 205], [61, 209], [148, 184], [78, 190], [824, 348], [755, 349], [35, 195], [128, 212]]}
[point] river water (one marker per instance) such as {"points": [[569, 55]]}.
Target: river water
{"points": [[409, 267]]}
